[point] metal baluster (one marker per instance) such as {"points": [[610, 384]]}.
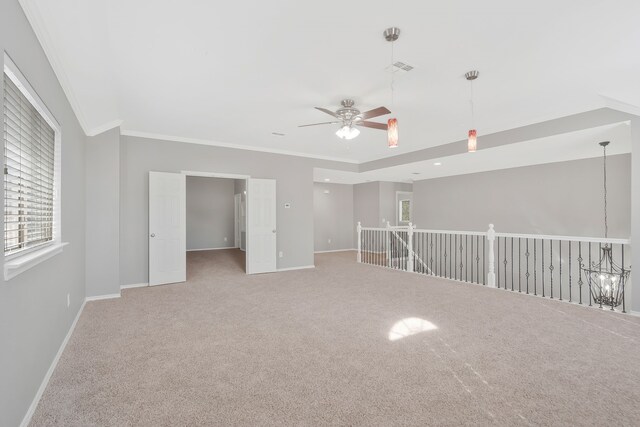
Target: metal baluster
{"points": [[498, 260], [461, 262], [450, 252], [542, 269], [551, 265], [580, 282], [512, 263], [466, 257], [455, 257], [560, 255], [570, 271], [624, 310], [477, 260], [431, 253], [505, 263], [599, 254], [519, 265], [527, 260], [535, 267], [589, 267]]}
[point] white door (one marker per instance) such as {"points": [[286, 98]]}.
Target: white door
{"points": [[167, 228], [261, 226]]}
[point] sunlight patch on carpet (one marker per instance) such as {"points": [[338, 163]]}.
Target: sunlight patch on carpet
{"points": [[410, 326]]}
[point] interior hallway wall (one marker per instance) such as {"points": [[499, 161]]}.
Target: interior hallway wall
{"points": [[210, 213], [34, 317], [562, 198], [333, 224], [102, 186]]}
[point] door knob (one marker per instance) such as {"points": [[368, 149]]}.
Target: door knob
{"points": [[153, 234]]}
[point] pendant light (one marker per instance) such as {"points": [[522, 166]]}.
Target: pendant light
{"points": [[391, 35], [472, 138], [606, 278]]}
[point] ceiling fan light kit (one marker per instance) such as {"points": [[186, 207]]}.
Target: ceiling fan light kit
{"points": [[347, 132]]}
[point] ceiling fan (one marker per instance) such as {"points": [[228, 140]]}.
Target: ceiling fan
{"points": [[349, 117]]}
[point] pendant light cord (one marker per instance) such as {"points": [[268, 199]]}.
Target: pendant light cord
{"points": [[473, 124], [606, 225], [393, 74]]}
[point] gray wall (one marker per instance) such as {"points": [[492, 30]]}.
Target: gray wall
{"points": [[34, 318], [333, 225], [366, 204], [210, 213], [558, 198], [102, 184], [388, 205], [294, 176]]}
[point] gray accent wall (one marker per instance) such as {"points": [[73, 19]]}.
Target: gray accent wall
{"points": [[102, 185], [557, 198], [34, 317], [333, 225], [210, 213], [294, 185]]}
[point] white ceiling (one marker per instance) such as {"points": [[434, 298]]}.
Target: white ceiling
{"points": [[234, 72], [558, 148]]}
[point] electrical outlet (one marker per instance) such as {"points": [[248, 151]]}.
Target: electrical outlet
{"points": [[280, 254], [329, 241], [68, 300]]}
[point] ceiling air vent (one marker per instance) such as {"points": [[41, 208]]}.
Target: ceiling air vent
{"points": [[401, 66]]}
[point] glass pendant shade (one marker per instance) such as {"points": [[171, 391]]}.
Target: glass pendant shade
{"points": [[472, 142], [347, 132], [392, 133]]}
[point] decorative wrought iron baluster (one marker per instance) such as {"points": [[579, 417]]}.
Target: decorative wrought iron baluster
{"points": [[535, 267], [505, 263], [455, 257], [570, 271], [484, 260], [519, 265], [431, 253], [551, 265], [450, 256], [600, 254], [512, 264], [542, 269], [461, 262], [624, 310], [560, 255], [477, 259], [498, 260], [580, 282], [526, 257], [589, 267]]}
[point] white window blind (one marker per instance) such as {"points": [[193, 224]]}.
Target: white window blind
{"points": [[29, 147]]}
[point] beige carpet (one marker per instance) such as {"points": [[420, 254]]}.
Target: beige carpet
{"points": [[312, 347]]}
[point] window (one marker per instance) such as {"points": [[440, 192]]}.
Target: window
{"points": [[31, 155], [404, 211]]}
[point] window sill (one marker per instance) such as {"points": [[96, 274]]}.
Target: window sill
{"points": [[20, 264]]}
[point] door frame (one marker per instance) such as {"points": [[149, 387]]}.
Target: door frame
{"points": [[401, 195], [237, 208]]}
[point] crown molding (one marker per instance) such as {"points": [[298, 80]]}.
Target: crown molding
{"points": [[149, 135], [37, 23], [105, 127]]}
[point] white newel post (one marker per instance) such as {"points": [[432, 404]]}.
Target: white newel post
{"points": [[491, 276], [410, 248], [388, 243], [359, 242]]}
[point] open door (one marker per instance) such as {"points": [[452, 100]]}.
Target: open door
{"points": [[167, 228], [261, 226]]}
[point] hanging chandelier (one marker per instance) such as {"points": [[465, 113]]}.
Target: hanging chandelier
{"points": [[472, 137], [605, 277], [391, 35]]}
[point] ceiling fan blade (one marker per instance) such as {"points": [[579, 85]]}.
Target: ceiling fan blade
{"points": [[316, 124], [373, 125], [329, 112], [380, 111]]}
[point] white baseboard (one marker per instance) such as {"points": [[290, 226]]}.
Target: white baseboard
{"points": [[212, 249], [334, 250], [134, 285], [101, 297], [304, 267], [634, 313], [34, 404]]}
